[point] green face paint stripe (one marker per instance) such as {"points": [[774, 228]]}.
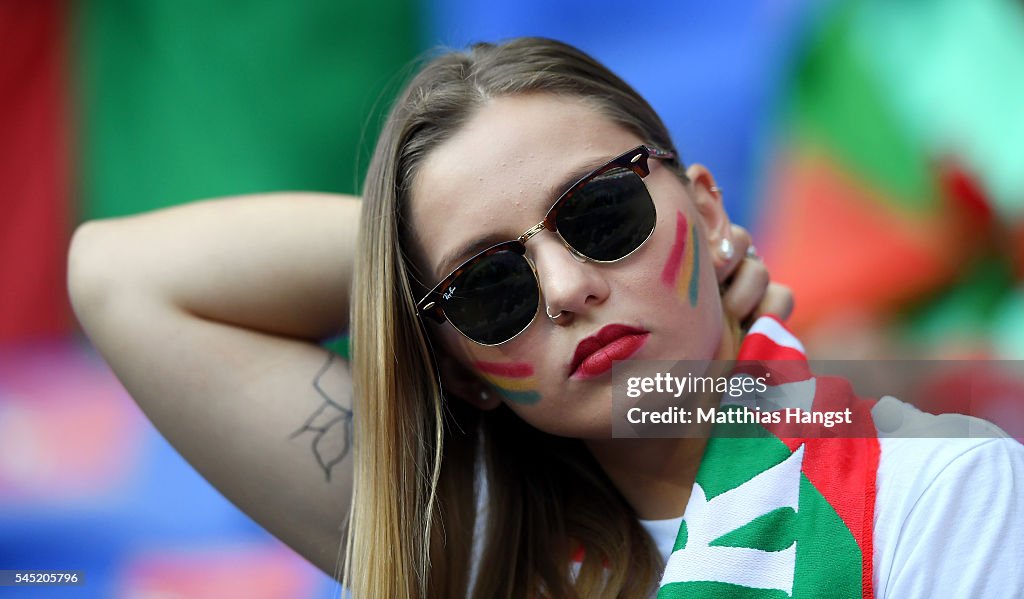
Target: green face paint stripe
{"points": [[520, 397], [695, 276], [512, 380], [682, 268]]}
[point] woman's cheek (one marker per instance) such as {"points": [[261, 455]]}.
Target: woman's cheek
{"points": [[515, 381], [681, 272]]}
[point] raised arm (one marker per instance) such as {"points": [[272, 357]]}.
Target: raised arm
{"points": [[210, 313]]}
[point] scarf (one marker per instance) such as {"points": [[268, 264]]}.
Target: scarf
{"points": [[781, 511]]}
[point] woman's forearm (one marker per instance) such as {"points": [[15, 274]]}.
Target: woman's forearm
{"points": [[277, 263], [210, 315]]}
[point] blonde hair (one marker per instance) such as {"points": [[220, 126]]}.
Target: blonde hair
{"points": [[414, 506]]}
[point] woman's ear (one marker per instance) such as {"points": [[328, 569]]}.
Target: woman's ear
{"points": [[458, 382], [708, 198]]}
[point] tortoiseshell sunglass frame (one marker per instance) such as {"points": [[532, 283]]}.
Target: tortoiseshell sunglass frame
{"points": [[635, 160]]}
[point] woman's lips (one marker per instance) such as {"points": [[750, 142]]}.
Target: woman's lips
{"points": [[594, 355]]}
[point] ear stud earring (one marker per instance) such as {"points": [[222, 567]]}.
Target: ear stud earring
{"points": [[726, 249]]}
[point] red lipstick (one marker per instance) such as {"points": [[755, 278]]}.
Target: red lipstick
{"points": [[595, 354]]}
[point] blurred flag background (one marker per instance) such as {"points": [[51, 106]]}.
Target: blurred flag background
{"points": [[871, 146]]}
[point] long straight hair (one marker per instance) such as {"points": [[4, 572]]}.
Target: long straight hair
{"points": [[414, 504]]}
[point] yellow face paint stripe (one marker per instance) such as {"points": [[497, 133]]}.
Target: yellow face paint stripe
{"points": [[686, 281]]}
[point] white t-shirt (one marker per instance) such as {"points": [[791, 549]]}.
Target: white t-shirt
{"points": [[949, 510]]}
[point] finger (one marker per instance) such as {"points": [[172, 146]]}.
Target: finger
{"points": [[740, 239], [778, 300], [746, 290]]}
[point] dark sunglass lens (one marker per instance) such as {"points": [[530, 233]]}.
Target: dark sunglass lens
{"points": [[609, 216], [493, 300]]}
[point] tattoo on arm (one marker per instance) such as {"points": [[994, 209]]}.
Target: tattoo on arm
{"points": [[330, 426]]}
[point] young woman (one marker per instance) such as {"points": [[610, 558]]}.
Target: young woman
{"points": [[528, 222], [212, 316]]}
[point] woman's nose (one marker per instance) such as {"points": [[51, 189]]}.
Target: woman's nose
{"points": [[569, 283]]}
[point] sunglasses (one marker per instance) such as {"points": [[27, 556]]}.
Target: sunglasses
{"points": [[604, 217]]}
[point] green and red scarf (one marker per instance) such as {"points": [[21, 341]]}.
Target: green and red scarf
{"points": [[782, 511]]}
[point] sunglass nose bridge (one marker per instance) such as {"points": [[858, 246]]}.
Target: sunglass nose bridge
{"points": [[537, 228]]}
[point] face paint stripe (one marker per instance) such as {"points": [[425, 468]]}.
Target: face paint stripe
{"points": [[505, 369], [685, 269], [670, 272], [527, 384], [695, 279], [522, 397], [513, 380]]}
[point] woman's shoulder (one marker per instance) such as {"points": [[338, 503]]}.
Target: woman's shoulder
{"points": [[896, 419], [918, 448], [949, 512]]}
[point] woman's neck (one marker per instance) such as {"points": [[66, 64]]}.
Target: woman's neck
{"points": [[656, 476]]}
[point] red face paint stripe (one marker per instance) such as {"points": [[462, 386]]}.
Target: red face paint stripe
{"points": [[507, 384], [686, 280], [675, 257], [513, 370]]}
